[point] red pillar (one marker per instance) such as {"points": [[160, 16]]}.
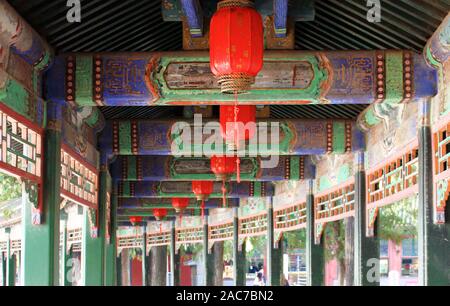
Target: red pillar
{"points": [[136, 272]]}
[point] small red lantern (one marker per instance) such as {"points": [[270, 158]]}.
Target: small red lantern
{"points": [[236, 45], [160, 213], [135, 220], [202, 189], [180, 204], [223, 166]]}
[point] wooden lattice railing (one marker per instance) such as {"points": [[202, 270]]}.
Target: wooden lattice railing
{"points": [[158, 239], [441, 144], [79, 179], [189, 235], [335, 204], [253, 225], [21, 145], [290, 218], [221, 232], [391, 182]]}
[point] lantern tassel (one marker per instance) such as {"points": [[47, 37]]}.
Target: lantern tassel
{"points": [[224, 190], [160, 228], [236, 137]]}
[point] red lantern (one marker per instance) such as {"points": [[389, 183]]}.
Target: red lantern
{"points": [[236, 45], [202, 189], [223, 166], [180, 204], [236, 123], [135, 220], [160, 213]]}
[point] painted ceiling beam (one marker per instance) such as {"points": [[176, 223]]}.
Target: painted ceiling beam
{"points": [[192, 11], [169, 168], [288, 77], [138, 203], [172, 137], [184, 189], [121, 212]]}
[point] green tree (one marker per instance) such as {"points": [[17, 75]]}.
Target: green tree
{"points": [[10, 188], [399, 220]]}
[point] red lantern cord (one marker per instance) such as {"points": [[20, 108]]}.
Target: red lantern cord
{"points": [[224, 190], [236, 137], [160, 228]]}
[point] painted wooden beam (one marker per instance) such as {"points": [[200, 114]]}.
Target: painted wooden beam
{"points": [[437, 48], [169, 168], [288, 77], [137, 203], [192, 11], [280, 13], [183, 189], [179, 138]]}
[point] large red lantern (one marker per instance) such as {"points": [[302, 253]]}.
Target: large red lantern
{"points": [[135, 220], [180, 204], [236, 45], [160, 213]]}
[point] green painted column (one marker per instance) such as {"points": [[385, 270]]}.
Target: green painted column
{"points": [[3, 269], [174, 257], [10, 261], [110, 248], [94, 242], [366, 249], [208, 273], [273, 251], [119, 270], [144, 256], [239, 271], [40, 243], [315, 262], [433, 239]]}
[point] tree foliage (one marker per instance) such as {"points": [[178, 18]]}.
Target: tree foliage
{"points": [[398, 221], [334, 234], [295, 239], [10, 188]]}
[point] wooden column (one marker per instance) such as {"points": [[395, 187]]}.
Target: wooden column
{"points": [[158, 265], [10, 261], [315, 262], [3, 269], [93, 241], [239, 266], [41, 242], [366, 249], [174, 257], [208, 273], [433, 239], [119, 270], [110, 248], [144, 255], [274, 255]]}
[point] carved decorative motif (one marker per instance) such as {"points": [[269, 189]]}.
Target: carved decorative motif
{"points": [[335, 205], [290, 218], [319, 227], [97, 79]]}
